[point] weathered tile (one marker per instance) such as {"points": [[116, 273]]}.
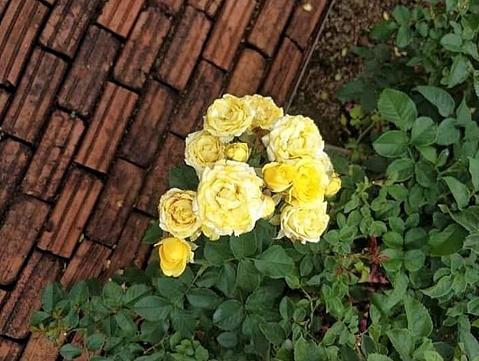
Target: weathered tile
{"points": [[34, 97], [88, 262], [205, 88], [14, 158], [269, 26], [284, 72], [115, 203], [168, 6], [142, 140], [303, 23], [210, 7], [142, 48], [67, 24], [9, 350], [248, 73], [172, 154], [185, 48], [107, 127], [4, 97], [25, 299], [228, 32], [18, 234], [18, 30], [84, 82], [71, 212], [119, 15], [39, 349], [53, 156]]}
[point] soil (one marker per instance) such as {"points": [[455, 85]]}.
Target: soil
{"points": [[332, 63]]}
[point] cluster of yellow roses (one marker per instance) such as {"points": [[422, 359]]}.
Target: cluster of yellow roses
{"points": [[289, 190]]}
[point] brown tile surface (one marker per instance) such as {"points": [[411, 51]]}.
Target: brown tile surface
{"points": [[142, 48], [36, 92], [168, 6], [66, 25], [183, 53], [248, 73], [39, 349], [206, 86], [9, 350], [15, 315], [4, 97], [115, 203], [73, 208], [143, 138], [14, 158], [90, 69], [269, 26], [18, 234], [106, 129], [18, 30], [283, 73], [130, 251], [3, 6], [228, 32], [119, 15], [172, 154], [303, 23], [210, 7], [53, 156], [89, 260]]}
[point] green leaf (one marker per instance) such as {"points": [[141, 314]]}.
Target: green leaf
{"points": [[153, 308], [227, 280], [418, 319], [447, 133], [306, 350], [403, 342], [474, 171], [153, 234], [404, 36], [428, 153], [401, 14], [382, 30], [95, 342], [52, 294], [135, 292], [349, 354], [460, 70], [448, 241], [426, 174], [227, 339], [248, 278], [244, 245], [378, 357], [203, 298], [459, 191], [423, 131], [183, 177], [401, 169], [229, 315], [391, 144], [70, 352], [440, 98], [452, 42], [440, 289], [476, 82], [398, 108], [273, 332], [217, 252], [468, 218], [274, 262], [414, 260], [432, 356], [170, 288], [471, 344], [472, 242]]}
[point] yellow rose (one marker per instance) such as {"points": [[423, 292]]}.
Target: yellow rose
{"points": [[237, 151], [174, 253], [334, 186], [309, 183], [278, 176], [203, 150], [176, 214], [229, 199], [228, 117], [293, 137], [266, 111], [304, 224], [269, 207]]}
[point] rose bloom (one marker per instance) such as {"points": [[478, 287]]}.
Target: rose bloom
{"points": [[278, 176], [303, 223], [228, 117], [237, 151], [176, 214], [202, 150], [293, 137], [334, 185], [230, 199], [266, 111], [309, 183], [174, 254]]}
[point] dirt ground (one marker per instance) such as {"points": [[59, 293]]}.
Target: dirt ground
{"points": [[332, 63]]}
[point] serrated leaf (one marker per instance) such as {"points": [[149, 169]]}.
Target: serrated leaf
{"points": [[70, 352], [203, 298], [391, 144], [423, 131], [153, 308], [404, 36], [401, 169], [440, 289], [244, 245], [378, 357], [448, 241], [183, 177], [468, 218], [447, 132], [153, 234], [452, 42], [229, 315], [418, 319], [474, 171], [306, 350], [398, 108], [227, 339], [440, 98], [274, 262], [460, 70], [403, 342], [459, 191]]}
